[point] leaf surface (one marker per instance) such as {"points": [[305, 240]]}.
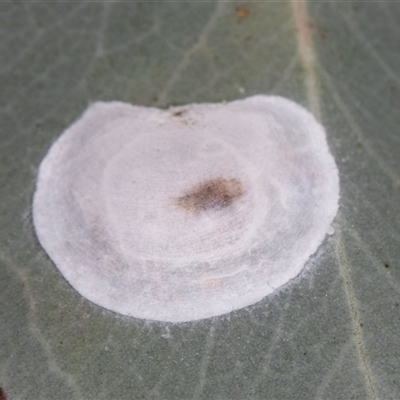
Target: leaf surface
{"points": [[333, 332]]}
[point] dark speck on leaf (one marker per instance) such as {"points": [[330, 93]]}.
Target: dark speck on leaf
{"points": [[242, 12]]}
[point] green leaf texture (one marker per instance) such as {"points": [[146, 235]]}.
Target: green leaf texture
{"points": [[331, 334]]}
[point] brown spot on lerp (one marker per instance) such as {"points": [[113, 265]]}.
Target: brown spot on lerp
{"points": [[213, 194]]}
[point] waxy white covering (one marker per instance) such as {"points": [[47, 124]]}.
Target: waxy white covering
{"points": [[104, 205]]}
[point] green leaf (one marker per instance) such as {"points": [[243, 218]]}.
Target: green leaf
{"points": [[333, 332]]}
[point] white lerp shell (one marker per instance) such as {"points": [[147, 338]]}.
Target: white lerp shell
{"points": [[186, 213]]}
